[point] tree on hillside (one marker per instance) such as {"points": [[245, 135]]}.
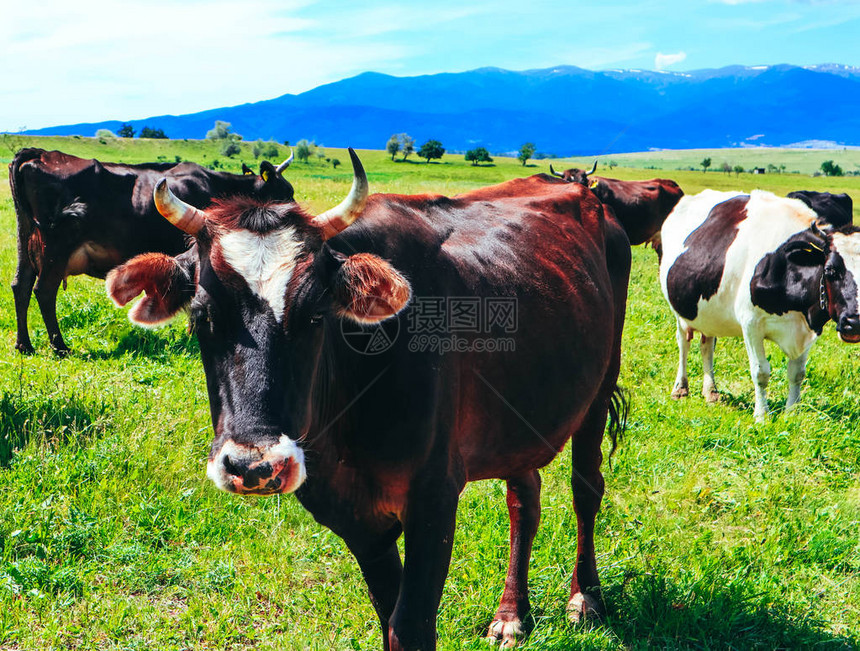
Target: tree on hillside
{"points": [[103, 134], [268, 150], [222, 131], [393, 145], [829, 168], [431, 149], [706, 163], [727, 168], [257, 147], [407, 144], [147, 132], [526, 152], [478, 155], [304, 150], [400, 142], [335, 162], [125, 131], [230, 147], [739, 170]]}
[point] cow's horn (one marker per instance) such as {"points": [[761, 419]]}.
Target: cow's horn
{"points": [[338, 218], [280, 168], [554, 173], [182, 215], [821, 228], [593, 167]]}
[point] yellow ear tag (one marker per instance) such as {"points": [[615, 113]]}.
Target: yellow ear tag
{"points": [[266, 176], [594, 184], [814, 247], [249, 173]]}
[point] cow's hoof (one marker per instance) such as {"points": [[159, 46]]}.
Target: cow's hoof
{"points": [[508, 632], [25, 348], [583, 607], [680, 392], [712, 396]]}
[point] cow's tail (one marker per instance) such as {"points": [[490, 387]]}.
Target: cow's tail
{"points": [[27, 224], [20, 158], [619, 408]]}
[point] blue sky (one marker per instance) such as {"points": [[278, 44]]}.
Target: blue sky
{"points": [[90, 60]]}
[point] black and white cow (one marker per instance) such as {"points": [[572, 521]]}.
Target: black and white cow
{"points": [[759, 266]]}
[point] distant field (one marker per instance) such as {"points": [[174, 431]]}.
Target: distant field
{"points": [[715, 532], [796, 161]]}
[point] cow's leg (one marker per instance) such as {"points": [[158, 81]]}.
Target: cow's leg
{"points": [[681, 388], [46, 295], [709, 385], [657, 244], [796, 373], [587, 483], [428, 539], [382, 570], [759, 370], [22, 288], [524, 512]]}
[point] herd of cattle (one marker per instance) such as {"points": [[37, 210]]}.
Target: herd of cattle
{"points": [[376, 446]]}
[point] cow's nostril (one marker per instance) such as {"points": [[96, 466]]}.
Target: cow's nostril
{"points": [[850, 325], [233, 468], [257, 474]]}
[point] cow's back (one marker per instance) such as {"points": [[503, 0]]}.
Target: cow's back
{"points": [[562, 262]]}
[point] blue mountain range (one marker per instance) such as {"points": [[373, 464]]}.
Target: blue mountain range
{"points": [[563, 110]]}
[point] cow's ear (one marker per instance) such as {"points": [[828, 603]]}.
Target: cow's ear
{"points": [[367, 289], [806, 254], [246, 170], [168, 284], [267, 171]]}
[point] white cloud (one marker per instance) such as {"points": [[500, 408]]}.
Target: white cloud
{"points": [[663, 61]]}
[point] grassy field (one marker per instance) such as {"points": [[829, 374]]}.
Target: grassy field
{"points": [[715, 532]]}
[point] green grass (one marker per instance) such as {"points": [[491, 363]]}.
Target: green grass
{"points": [[715, 532]]}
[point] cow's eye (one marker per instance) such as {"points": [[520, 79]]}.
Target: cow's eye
{"points": [[317, 318]]}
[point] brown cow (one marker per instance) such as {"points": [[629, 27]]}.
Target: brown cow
{"points": [[380, 440], [641, 206], [81, 216]]}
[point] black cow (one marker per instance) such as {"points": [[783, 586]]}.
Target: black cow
{"points": [[79, 216], [375, 445]]}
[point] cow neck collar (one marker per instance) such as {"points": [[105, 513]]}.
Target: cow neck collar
{"points": [[822, 293], [817, 315]]}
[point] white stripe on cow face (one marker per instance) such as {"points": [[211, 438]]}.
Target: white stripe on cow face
{"points": [[266, 262], [848, 246]]}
